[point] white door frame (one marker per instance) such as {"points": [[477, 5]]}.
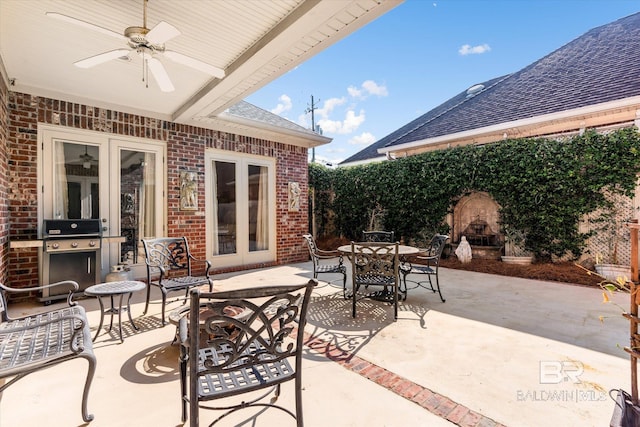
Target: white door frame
{"points": [[109, 146], [242, 256]]}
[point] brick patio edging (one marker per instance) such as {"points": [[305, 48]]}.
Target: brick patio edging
{"points": [[433, 402]]}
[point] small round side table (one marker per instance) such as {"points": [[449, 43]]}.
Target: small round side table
{"points": [[112, 289]]}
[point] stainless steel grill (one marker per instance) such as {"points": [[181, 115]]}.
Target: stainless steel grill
{"points": [[71, 251]]}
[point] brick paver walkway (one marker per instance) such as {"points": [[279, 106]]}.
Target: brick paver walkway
{"points": [[435, 403]]}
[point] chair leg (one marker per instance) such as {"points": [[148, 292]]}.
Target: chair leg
{"points": [[438, 287], [183, 381], [146, 306], [402, 285], [164, 303], [86, 416], [344, 286], [395, 303], [353, 299], [298, 383]]}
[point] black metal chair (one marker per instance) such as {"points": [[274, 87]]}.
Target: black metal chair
{"points": [[326, 261], [169, 259], [44, 339], [375, 264], [378, 236], [427, 262], [242, 341]]}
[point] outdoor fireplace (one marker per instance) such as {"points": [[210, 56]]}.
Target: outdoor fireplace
{"points": [[475, 216], [479, 233]]}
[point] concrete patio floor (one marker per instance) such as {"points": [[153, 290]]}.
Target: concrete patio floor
{"points": [[499, 351]]}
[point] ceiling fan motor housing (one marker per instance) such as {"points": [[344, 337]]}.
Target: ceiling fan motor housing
{"points": [[137, 38]]}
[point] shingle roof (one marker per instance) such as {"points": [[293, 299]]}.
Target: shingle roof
{"points": [[600, 66], [249, 111]]}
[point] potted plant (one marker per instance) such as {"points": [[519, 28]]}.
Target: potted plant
{"points": [[515, 251]]}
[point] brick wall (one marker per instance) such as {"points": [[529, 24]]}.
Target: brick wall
{"points": [[185, 151]]}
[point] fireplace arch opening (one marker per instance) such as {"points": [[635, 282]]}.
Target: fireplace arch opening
{"points": [[476, 217]]}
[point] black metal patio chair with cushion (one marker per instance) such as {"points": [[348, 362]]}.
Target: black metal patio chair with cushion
{"points": [[426, 262], [241, 341], [326, 262], [378, 236], [169, 268], [375, 264], [44, 339]]}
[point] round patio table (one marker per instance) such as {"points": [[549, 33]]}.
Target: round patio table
{"points": [[385, 294], [112, 289], [402, 249]]}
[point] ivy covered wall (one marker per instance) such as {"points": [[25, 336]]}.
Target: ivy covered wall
{"points": [[544, 188]]}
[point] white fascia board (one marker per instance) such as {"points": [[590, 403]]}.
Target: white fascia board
{"points": [[537, 120], [233, 124], [362, 162]]}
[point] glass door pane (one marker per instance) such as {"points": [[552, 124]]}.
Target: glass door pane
{"points": [[76, 185], [258, 191], [137, 202], [224, 206]]}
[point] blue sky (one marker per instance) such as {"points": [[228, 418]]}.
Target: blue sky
{"points": [[417, 56]]}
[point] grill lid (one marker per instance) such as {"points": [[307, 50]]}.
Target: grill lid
{"points": [[57, 228]]}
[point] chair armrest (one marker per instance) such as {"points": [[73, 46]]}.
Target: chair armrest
{"points": [[427, 257], [328, 254], [206, 262], [74, 287]]}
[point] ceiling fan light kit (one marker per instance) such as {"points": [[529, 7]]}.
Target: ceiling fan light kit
{"points": [[149, 44]]}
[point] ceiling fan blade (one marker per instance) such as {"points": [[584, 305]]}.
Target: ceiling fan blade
{"points": [[162, 33], [100, 58], [160, 75], [85, 24], [194, 63]]}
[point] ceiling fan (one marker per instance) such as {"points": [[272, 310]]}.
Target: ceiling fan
{"points": [[149, 44], [86, 158]]}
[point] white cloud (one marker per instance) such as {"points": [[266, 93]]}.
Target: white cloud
{"points": [[471, 50], [329, 105], [304, 120], [354, 92], [350, 123], [337, 149], [365, 138], [374, 89], [368, 87], [283, 106]]}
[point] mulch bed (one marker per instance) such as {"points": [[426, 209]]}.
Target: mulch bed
{"points": [[566, 272]]}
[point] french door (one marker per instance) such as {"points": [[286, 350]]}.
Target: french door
{"points": [[240, 208], [119, 180]]}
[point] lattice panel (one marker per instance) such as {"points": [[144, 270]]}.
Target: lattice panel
{"points": [[610, 244]]}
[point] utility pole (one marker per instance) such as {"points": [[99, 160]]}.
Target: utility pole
{"points": [[311, 109]]}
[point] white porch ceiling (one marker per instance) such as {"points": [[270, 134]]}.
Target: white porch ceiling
{"points": [[254, 41]]}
